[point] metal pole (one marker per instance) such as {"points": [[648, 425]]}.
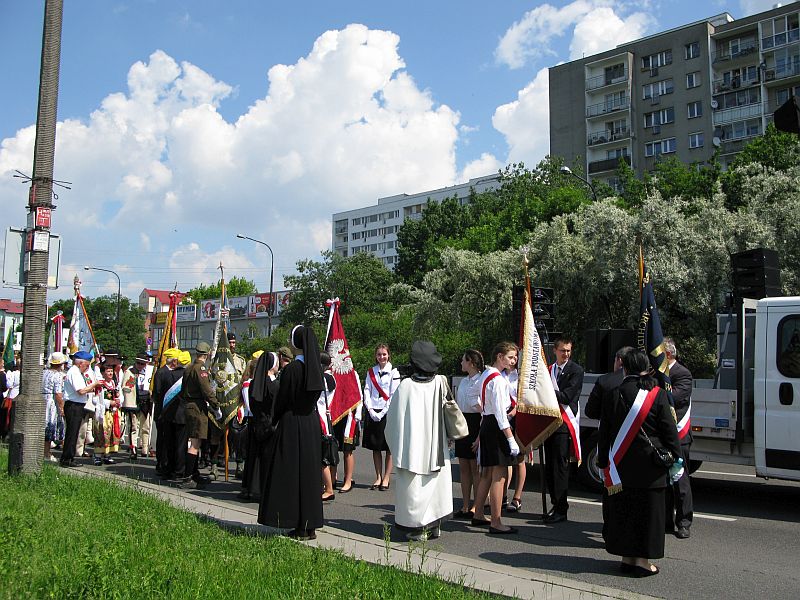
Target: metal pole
{"points": [[271, 310], [567, 171], [119, 295], [26, 448]]}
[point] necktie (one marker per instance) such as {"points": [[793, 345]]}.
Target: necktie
{"points": [[382, 373], [558, 372]]}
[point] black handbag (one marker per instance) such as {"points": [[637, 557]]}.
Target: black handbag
{"points": [[661, 457]]}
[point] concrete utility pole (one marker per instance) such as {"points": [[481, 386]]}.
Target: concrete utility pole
{"points": [[26, 450]]}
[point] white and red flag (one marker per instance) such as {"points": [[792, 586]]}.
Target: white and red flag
{"points": [[538, 413], [348, 390]]}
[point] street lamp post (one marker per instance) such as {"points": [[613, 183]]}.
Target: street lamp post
{"points": [[565, 170], [271, 277], [119, 290]]}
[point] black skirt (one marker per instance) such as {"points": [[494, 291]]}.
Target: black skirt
{"points": [[373, 434], [493, 450], [338, 433], [464, 445], [634, 522]]}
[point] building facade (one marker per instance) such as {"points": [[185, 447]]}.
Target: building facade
{"points": [[684, 92], [374, 228]]}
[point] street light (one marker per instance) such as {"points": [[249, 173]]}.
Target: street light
{"points": [[119, 289], [271, 276], [565, 170]]}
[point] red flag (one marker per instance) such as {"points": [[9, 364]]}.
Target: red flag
{"points": [[348, 389]]}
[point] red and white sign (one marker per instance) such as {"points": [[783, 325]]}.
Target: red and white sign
{"points": [[43, 214]]}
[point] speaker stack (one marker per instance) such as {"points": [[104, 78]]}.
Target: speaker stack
{"points": [[756, 274], [602, 345], [544, 315]]}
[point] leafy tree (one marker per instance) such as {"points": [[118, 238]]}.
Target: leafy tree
{"points": [[361, 282], [236, 286], [674, 178], [102, 312]]}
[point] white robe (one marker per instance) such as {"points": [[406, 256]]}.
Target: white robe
{"points": [[416, 436]]}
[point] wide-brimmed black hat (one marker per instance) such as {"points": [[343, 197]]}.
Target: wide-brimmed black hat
{"points": [[425, 357]]}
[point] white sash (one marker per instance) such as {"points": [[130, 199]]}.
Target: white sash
{"points": [[571, 420], [684, 425]]}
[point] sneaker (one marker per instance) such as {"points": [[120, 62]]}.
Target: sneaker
{"points": [[97, 461], [188, 484], [109, 461]]}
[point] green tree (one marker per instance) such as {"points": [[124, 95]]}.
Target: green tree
{"points": [[102, 312], [235, 286]]}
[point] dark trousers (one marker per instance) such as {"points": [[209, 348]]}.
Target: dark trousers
{"points": [[73, 415], [174, 450], [556, 461], [680, 510]]}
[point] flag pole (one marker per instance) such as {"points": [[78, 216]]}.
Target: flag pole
{"points": [[224, 332]]}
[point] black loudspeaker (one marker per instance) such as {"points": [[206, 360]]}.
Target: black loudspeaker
{"points": [[542, 307], [787, 117], [602, 345], [756, 274]]}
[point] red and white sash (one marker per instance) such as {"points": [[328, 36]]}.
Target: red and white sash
{"points": [[629, 429], [684, 425], [351, 427], [373, 379], [486, 381], [571, 420]]}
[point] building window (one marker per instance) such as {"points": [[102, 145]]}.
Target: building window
{"points": [[188, 336], [659, 117], [659, 59], [659, 147], [696, 140], [659, 88], [694, 109], [357, 221], [691, 50], [692, 80], [617, 153]]}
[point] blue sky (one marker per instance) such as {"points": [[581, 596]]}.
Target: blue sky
{"points": [[184, 123]]}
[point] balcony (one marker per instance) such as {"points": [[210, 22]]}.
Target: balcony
{"points": [[608, 164], [593, 83], [785, 71], [721, 86], [745, 49], [603, 137], [608, 106], [780, 39], [738, 113]]}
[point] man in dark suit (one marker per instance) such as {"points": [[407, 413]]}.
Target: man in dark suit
{"points": [[604, 385], [567, 379], [679, 495]]}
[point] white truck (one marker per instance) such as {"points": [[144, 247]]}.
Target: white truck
{"points": [[749, 415]]}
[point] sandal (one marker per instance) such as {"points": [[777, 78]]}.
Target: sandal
{"points": [[464, 514], [514, 506]]}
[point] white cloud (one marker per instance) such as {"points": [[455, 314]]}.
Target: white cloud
{"points": [[751, 7], [487, 164], [525, 122], [204, 266], [337, 129], [597, 26]]}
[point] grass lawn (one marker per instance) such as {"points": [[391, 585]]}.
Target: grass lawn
{"points": [[63, 536]]}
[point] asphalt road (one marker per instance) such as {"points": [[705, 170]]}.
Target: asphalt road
{"points": [[743, 542]]}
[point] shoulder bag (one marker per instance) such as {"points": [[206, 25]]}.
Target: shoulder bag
{"points": [[454, 422]]}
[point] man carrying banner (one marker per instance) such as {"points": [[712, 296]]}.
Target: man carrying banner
{"points": [[169, 413], [346, 404], [564, 444], [137, 404], [199, 397]]}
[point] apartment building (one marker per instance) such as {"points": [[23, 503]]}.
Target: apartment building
{"points": [[684, 92], [374, 228]]}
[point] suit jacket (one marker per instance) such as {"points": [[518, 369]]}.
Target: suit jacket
{"points": [[570, 382], [603, 387], [681, 380], [637, 469]]}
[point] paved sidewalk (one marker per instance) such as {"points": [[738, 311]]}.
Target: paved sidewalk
{"points": [[472, 572]]}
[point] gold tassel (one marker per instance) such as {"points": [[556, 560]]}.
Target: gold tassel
{"points": [[614, 489]]}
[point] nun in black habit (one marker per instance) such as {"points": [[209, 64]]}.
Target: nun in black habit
{"points": [[291, 497]]}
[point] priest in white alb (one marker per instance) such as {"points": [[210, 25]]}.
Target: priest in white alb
{"points": [[415, 433]]}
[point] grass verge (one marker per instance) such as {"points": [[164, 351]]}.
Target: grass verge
{"points": [[63, 536]]}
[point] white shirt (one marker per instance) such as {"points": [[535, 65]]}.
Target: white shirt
{"points": [[388, 379], [324, 404], [12, 382], [468, 394], [74, 381], [513, 378], [497, 399]]}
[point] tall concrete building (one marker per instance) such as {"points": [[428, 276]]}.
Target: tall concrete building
{"points": [[374, 228], [683, 92]]}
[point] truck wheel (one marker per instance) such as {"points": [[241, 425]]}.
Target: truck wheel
{"points": [[589, 475], [694, 465]]}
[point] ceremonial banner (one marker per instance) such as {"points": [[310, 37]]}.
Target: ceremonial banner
{"points": [[55, 341], [538, 413], [81, 336], [348, 388], [649, 338], [225, 379], [169, 337], [8, 351]]}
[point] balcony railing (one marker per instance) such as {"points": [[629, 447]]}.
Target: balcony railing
{"points": [[780, 39], [609, 164], [603, 137], [783, 71], [745, 49], [599, 81], [607, 107], [739, 113], [722, 85]]}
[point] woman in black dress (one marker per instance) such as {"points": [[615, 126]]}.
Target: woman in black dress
{"points": [[293, 479], [634, 517], [263, 389]]}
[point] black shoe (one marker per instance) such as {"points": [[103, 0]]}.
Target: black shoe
{"points": [[97, 462], [625, 568], [509, 531], [202, 479], [109, 461], [134, 457], [302, 534], [682, 533], [244, 495], [479, 522], [67, 464], [642, 572], [188, 484], [555, 517]]}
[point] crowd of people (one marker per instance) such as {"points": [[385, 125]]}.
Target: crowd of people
{"points": [[290, 448]]}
